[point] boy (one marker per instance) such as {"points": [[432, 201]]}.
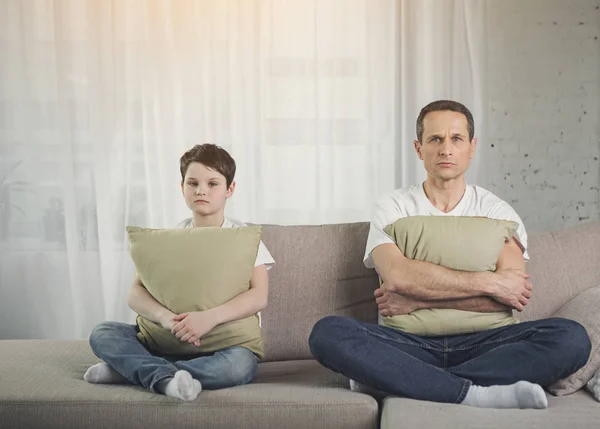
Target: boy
{"points": [[207, 173]]}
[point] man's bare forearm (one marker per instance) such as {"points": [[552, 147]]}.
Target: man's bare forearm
{"points": [[430, 282], [425, 281], [480, 304]]}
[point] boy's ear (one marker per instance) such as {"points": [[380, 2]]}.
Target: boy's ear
{"points": [[231, 190], [182, 193]]}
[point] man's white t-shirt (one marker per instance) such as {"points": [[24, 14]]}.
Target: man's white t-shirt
{"points": [[263, 257], [412, 201]]}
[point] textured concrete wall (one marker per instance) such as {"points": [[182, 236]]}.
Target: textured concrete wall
{"points": [[542, 150]]}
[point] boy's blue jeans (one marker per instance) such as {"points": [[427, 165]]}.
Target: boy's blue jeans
{"points": [[117, 345], [442, 368]]}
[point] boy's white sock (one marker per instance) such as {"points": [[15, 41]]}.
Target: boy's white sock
{"points": [[104, 374], [522, 394], [182, 386]]}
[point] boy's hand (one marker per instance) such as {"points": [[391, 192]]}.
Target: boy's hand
{"points": [[190, 327], [168, 321]]}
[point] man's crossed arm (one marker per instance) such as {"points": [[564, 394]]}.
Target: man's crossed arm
{"points": [[410, 285]]}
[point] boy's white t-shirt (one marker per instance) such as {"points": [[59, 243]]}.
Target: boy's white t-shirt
{"points": [[263, 257], [412, 201]]}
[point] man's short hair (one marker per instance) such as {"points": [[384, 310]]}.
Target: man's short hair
{"points": [[213, 157], [443, 105]]}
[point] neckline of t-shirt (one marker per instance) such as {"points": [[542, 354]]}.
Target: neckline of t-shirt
{"points": [[433, 210], [226, 223]]}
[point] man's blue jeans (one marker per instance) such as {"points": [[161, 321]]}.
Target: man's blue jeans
{"points": [[442, 368], [118, 346]]}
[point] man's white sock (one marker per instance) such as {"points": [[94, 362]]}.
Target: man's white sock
{"points": [[594, 386], [519, 395], [355, 386], [103, 374]]}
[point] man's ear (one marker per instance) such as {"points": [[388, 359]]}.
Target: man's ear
{"points": [[473, 146], [417, 145]]}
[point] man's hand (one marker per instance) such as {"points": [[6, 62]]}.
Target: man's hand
{"points": [[393, 304], [511, 287], [190, 327]]}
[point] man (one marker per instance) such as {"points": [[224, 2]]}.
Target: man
{"points": [[503, 367]]}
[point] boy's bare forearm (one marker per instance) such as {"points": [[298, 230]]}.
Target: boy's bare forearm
{"points": [[144, 304], [241, 306], [247, 303]]}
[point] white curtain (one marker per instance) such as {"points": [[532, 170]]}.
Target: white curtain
{"points": [[315, 99], [442, 55]]}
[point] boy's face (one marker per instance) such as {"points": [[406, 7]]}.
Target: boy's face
{"points": [[205, 190]]}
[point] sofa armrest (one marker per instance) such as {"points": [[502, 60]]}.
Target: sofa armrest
{"points": [[583, 309]]}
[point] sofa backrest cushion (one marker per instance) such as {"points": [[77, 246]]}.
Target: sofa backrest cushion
{"points": [[318, 272], [563, 264]]}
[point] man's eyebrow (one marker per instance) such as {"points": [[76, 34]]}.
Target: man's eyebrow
{"points": [[440, 136]]}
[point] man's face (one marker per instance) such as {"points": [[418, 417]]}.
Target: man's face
{"points": [[205, 190], [445, 148]]}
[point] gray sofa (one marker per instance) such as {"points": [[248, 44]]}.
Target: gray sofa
{"points": [[319, 272]]}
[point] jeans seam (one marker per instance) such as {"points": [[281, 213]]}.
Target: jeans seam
{"points": [[463, 392], [400, 341], [446, 352], [158, 379], [487, 343]]}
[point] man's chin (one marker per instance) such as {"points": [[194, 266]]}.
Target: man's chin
{"points": [[447, 175]]}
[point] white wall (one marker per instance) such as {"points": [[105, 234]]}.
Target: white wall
{"points": [[542, 151]]}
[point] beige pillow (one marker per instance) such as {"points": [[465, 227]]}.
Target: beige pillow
{"points": [[583, 309], [195, 269], [461, 243]]}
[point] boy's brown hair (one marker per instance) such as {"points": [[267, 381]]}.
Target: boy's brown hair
{"points": [[213, 157]]}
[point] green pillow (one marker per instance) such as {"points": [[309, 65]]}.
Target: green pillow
{"points": [[458, 242], [195, 269]]}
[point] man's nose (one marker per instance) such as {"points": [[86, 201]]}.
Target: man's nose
{"points": [[446, 148]]}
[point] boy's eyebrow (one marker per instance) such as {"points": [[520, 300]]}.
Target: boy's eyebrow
{"points": [[212, 178]]}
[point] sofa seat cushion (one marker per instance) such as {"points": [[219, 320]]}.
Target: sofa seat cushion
{"points": [[579, 410], [43, 387]]}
